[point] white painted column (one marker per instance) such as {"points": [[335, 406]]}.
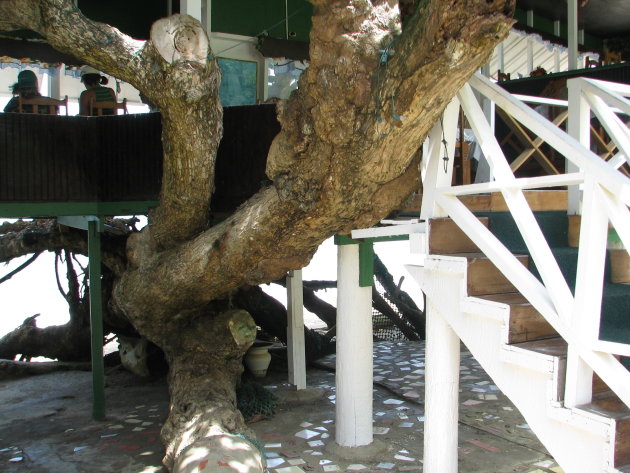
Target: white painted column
{"points": [[441, 396], [44, 85], [572, 18], [436, 176], [579, 128], [529, 18], [556, 28], [556, 59], [585, 318], [502, 56], [354, 352], [530, 42], [192, 8], [295, 330], [56, 79]]}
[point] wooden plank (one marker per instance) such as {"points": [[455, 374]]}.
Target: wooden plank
{"points": [[526, 323], [538, 200], [622, 442], [446, 238], [619, 266], [606, 402], [477, 203], [574, 230], [485, 278], [552, 346]]}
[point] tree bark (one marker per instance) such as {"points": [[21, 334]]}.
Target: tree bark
{"points": [[346, 157], [205, 366]]}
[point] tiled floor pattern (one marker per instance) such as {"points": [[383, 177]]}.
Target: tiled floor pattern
{"points": [[493, 436]]}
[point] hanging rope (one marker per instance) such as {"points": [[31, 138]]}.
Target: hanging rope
{"points": [[445, 144]]}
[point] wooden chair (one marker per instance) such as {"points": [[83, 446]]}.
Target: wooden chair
{"points": [[502, 76], [98, 109], [43, 105]]}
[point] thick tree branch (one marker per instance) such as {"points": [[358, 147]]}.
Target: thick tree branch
{"points": [[20, 268], [69, 31], [46, 235]]}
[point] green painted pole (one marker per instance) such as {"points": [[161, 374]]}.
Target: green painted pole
{"points": [[96, 320]]}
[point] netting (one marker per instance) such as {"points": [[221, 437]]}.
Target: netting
{"points": [[253, 400], [382, 326]]}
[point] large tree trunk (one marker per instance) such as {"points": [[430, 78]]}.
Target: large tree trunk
{"points": [[205, 366], [346, 157]]}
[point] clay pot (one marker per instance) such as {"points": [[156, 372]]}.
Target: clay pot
{"points": [[257, 358]]}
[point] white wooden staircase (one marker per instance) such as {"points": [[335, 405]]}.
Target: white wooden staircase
{"points": [[521, 352], [537, 338]]}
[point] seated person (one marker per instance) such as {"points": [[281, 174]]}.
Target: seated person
{"points": [[94, 82], [27, 88]]}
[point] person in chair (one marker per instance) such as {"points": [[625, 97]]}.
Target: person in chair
{"points": [[25, 87], [95, 92]]}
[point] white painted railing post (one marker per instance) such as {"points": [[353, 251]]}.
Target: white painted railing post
{"points": [[441, 394], [354, 352], [572, 20], [579, 127], [588, 294], [439, 172], [295, 330]]}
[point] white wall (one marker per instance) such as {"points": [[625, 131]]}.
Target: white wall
{"points": [[70, 86]]}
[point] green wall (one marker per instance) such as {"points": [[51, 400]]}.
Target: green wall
{"points": [[252, 17], [132, 17]]}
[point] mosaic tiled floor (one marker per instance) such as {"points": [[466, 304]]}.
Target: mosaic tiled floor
{"points": [[493, 436]]}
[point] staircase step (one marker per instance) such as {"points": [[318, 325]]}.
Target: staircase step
{"points": [[526, 323], [552, 346], [553, 225], [619, 266], [608, 404], [574, 230], [445, 237], [484, 277]]}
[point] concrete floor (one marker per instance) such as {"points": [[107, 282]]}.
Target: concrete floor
{"points": [[46, 426]]}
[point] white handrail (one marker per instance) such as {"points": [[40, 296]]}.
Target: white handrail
{"points": [[607, 197]]}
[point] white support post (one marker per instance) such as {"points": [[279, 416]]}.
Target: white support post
{"points": [[502, 56], [572, 18], [579, 123], [441, 394], [206, 15], [354, 352], [556, 28], [530, 55], [436, 174], [588, 294], [56, 78], [484, 169], [192, 8], [530, 18], [556, 59], [44, 86], [295, 330]]}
